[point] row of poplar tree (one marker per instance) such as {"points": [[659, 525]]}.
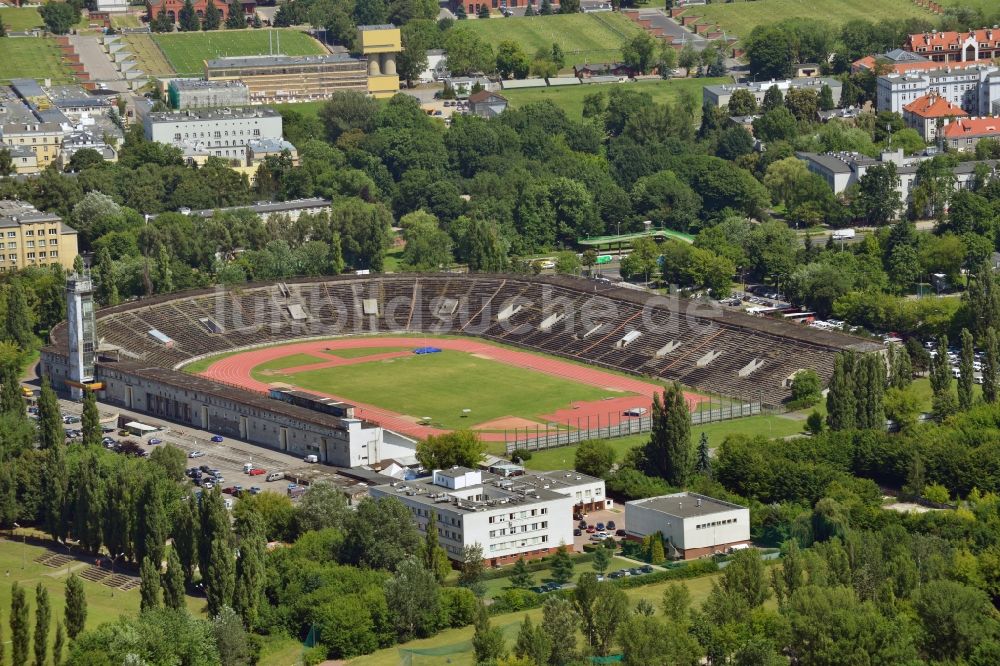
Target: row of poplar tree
{"points": [[20, 626]]}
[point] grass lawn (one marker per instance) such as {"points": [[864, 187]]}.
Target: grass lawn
{"points": [[361, 352], [17, 19], [33, 58], [308, 109], [740, 18], [582, 37], [570, 98], [103, 603], [767, 425], [187, 51], [497, 585], [148, 55], [125, 21], [442, 385], [454, 646]]}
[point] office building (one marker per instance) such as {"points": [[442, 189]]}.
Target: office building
{"points": [[30, 237], [224, 133], [44, 139], [283, 79], [692, 525], [718, 95], [526, 516], [199, 94]]}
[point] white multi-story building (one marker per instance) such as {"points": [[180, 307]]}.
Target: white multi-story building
{"points": [[694, 525], [526, 516], [975, 89], [224, 133], [718, 95]]}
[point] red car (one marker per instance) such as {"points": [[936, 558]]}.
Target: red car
{"points": [[590, 529], [257, 471], [229, 490]]}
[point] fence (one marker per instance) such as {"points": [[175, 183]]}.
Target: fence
{"points": [[615, 425]]}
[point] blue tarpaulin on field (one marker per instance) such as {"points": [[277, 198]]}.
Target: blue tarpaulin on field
{"points": [[426, 350]]}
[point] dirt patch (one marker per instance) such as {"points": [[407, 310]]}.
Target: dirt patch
{"points": [[512, 423], [485, 357]]}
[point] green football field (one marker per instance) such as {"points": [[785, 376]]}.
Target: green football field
{"points": [[33, 58], [440, 386], [187, 51], [741, 17], [582, 37]]}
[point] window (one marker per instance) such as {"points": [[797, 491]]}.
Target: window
{"points": [[30, 243], [31, 255], [29, 232], [53, 254], [12, 257], [11, 234], [53, 231]]}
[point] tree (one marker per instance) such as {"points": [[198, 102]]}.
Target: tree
{"points": [[991, 366], [59, 644], [594, 457], [878, 199], [559, 623], [151, 525], [187, 18], [562, 565], [173, 582], [483, 247], [791, 575], [379, 535], [569, 6], [149, 585], [770, 52], [584, 599], [20, 317], [776, 124], [412, 595], [235, 18], [461, 448], [219, 577], [668, 452], [236, 647], [60, 17], [638, 53], [484, 11], [900, 367], [488, 643], [468, 54], [3, 33], [347, 110], [20, 630], [248, 594], [428, 247], [965, 379], [802, 103], [512, 61], [687, 58], [532, 643], [744, 578], [773, 99], [545, 9], [50, 425], [954, 618], [213, 17], [826, 98], [187, 526], [703, 460], [43, 618], [471, 574], [841, 399], [91, 420], [806, 387], [610, 612], [76, 607], [602, 560], [520, 577]]}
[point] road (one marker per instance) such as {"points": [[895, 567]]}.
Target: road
{"points": [[671, 28], [97, 63]]}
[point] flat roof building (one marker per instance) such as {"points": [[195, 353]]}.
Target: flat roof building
{"points": [[281, 78], [200, 94], [30, 237], [45, 139], [718, 95], [693, 525], [526, 516], [224, 133]]}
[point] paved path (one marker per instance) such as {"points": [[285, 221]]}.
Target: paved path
{"points": [[97, 63], [671, 28]]}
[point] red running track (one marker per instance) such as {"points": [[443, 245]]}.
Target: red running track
{"points": [[235, 370]]}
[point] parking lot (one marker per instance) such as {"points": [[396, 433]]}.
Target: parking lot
{"points": [[228, 456], [595, 518]]}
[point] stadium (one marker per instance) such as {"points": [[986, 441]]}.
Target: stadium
{"points": [[353, 369]]}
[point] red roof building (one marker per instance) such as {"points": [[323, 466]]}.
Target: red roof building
{"points": [[173, 8], [965, 133], [954, 46], [925, 114]]}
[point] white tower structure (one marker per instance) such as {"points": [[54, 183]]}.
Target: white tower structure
{"points": [[82, 332]]}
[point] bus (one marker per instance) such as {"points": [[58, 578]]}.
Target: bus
{"points": [[603, 259]]}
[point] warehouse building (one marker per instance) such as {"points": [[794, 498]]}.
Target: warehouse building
{"points": [[692, 525]]}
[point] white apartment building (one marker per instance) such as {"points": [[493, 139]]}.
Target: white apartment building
{"points": [[694, 525], [508, 517], [223, 133], [975, 89]]}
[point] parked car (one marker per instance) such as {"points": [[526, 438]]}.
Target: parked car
{"points": [[646, 569], [154, 441], [230, 490], [195, 454], [217, 438], [205, 468], [257, 471], [616, 575], [600, 527], [621, 533], [577, 532], [591, 529], [207, 484], [255, 490], [275, 476], [611, 525], [123, 433], [311, 458], [582, 524]]}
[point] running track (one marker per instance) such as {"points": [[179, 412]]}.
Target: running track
{"points": [[235, 370]]}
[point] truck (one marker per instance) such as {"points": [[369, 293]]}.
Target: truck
{"points": [[843, 234]]}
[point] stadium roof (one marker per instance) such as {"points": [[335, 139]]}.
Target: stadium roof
{"points": [[277, 60]]}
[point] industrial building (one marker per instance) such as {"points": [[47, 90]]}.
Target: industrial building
{"points": [[692, 525], [31, 237], [380, 44], [199, 94]]}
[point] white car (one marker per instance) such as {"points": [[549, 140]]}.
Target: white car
{"points": [[195, 454]]}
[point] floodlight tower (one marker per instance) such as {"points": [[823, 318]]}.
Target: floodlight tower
{"points": [[82, 331]]}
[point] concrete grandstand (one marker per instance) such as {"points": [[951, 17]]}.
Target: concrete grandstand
{"points": [[143, 345]]}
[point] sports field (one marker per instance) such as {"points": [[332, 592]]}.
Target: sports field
{"points": [[18, 19], [187, 51], [582, 37], [33, 58], [469, 384], [740, 18], [570, 98], [148, 54]]}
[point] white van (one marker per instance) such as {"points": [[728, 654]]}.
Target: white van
{"points": [[311, 458], [247, 467], [275, 476]]}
